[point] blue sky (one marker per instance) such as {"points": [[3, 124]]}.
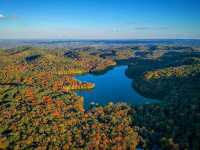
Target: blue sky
{"points": [[99, 19]]}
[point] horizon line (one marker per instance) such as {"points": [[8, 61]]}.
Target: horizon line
{"points": [[99, 39]]}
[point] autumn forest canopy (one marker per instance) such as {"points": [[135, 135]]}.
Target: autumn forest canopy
{"points": [[40, 107]]}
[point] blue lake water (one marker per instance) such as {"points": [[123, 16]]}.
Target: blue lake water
{"points": [[112, 86]]}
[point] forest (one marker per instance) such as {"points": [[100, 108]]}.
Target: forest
{"points": [[40, 109], [174, 78]]}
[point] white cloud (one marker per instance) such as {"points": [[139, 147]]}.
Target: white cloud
{"points": [[2, 16]]}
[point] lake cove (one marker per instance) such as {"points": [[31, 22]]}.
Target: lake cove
{"points": [[111, 86]]}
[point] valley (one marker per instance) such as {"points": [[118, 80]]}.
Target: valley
{"points": [[41, 105]]}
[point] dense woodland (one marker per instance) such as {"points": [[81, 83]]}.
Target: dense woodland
{"points": [[174, 79], [39, 107]]}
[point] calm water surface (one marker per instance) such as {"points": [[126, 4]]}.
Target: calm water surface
{"points": [[112, 86]]}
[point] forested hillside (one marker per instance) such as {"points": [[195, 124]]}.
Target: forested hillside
{"points": [[174, 79], [40, 109]]}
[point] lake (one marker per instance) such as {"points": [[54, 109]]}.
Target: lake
{"points": [[112, 86]]}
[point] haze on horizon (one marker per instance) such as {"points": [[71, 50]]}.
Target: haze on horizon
{"points": [[99, 19]]}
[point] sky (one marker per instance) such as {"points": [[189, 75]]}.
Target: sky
{"points": [[99, 19]]}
